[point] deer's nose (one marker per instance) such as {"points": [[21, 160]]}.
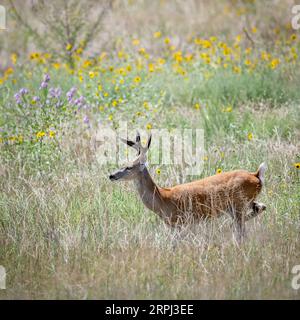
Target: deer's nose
{"points": [[112, 177]]}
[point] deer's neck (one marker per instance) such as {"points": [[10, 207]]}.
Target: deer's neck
{"points": [[150, 194]]}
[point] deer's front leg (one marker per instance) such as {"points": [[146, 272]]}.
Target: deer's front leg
{"points": [[238, 215], [240, 227]]}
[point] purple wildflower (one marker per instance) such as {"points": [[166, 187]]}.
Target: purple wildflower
{"points": [[86, 119], [55, 92], [36, 98], [44, 85], [23, 91], [70, 93], [18, 98], [46, 78], [79, 101], [52, 92]]}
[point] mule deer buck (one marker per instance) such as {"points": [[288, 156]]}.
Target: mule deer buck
{"points": [[231, 192]]}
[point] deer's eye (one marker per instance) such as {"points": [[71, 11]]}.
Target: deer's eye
{"points": [[129, 168]]}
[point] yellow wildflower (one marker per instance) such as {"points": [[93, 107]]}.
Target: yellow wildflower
{"points": [[236, 69], [188, 57], [167, 40], [151, 67], [13, 58], [135, 42], [92, 74], [87, 63], [40, 134], [161, 61], [274, 63], [238, 38], [20, 139], [297, 165], [137, 79], [227, 109], [69, 47], [206, 44], [142, 50], [248, 50], [226, 51], [79, 51], [34, 55], [265, 56], [178, 56], [121, 54], [122, 72], [56, 65], [248, 62], [8, 72]]}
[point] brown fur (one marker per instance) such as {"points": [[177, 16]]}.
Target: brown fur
{"points": [[211, 196]]}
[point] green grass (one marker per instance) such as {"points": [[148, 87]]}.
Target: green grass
{"points": [[73, 234]]}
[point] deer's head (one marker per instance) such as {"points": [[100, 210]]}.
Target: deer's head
{"points": [[133, 168]]}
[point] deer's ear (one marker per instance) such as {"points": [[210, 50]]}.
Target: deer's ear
{"points": [[138, 137], [128, 142], [149, 141]]}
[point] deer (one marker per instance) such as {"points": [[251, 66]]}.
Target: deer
{"points": [[232, 192]]}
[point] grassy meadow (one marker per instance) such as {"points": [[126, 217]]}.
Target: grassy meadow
{"points": [[231, 68]]}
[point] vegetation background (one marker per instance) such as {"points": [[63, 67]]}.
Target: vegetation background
{"points": [[70, 68]]}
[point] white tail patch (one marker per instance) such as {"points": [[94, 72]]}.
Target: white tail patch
{"points": [[261, 172]]}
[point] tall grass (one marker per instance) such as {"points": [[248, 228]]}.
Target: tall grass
{"points": [[73, 234], [66, 231]]}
